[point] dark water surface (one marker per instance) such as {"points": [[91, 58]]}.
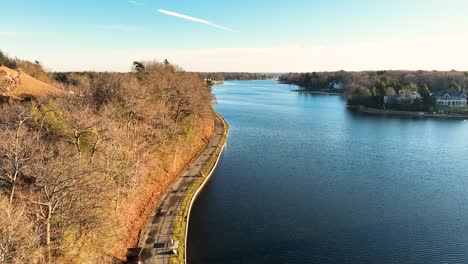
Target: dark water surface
{"points": [[303, 180]]}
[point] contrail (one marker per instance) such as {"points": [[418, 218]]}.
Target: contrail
{"points": [[194, 19]]}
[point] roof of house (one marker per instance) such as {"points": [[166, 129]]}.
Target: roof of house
{"points": [[452, 93]]}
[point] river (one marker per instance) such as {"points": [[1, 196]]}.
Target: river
{"points": [[304, 180]]}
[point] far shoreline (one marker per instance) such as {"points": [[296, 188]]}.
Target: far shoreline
{"points": [[382, 112], [317, 92], [375, 111]]}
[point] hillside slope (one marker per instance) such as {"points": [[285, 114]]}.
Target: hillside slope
{"points": [[109, 154], [17, 85]]}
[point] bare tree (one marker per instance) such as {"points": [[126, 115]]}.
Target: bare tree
{"points": [[16, 155], [55, 181], [19, 241]]}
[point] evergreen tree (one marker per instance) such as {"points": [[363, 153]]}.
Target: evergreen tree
{"points": [[138, 66], [425, 94]]}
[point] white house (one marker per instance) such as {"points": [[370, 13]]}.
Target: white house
{"points": [[336, 85], [450, 98]]}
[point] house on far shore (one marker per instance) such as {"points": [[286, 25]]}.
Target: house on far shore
{"points": [[450, 98], [404, 97], [336, 85]]}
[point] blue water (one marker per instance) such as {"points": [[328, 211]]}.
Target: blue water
{"points": [[304, 180]]}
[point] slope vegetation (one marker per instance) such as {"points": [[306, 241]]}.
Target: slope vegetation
{"points": [[79, 175]]}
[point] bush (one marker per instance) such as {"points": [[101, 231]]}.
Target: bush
{"points": [[7, 61]]}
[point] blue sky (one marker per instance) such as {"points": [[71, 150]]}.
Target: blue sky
{"points": [[275, 35]]}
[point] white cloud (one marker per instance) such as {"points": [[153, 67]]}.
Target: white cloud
{"points": [[417, 55], [24, 33], [123, 28], [136, 3], [9, 33], [194, 19]]}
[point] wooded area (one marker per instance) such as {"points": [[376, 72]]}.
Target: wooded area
{"points": [[370, 87], [222, 76], [79, 174], [354, 82]]}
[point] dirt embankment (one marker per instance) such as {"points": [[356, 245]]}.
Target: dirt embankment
{"points": [[15, 84]]}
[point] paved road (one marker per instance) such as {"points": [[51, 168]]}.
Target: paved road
{"points": [[156, 236]]}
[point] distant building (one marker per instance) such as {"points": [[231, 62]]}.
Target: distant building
{"points": [[404, 97], [336, 85], [450, 98]]}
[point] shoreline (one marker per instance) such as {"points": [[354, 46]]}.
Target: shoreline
{"points": [[167, 227], [375, 111], [317, 92], [193, 199]]}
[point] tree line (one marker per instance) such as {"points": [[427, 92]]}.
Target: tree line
{"points": [[78, 172], [222, 76], [370, 87], [34, 69]]}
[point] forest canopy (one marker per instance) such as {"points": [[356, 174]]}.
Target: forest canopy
{"points": [[399, 90], [359, 82]]}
